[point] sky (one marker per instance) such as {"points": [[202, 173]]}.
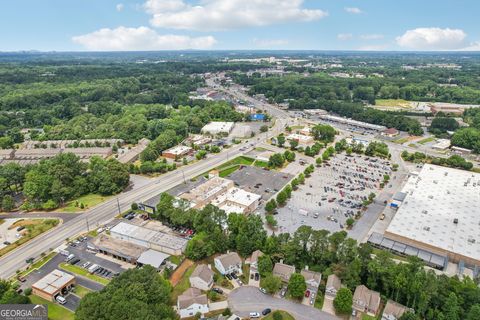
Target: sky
{"points": [[131, 25]]}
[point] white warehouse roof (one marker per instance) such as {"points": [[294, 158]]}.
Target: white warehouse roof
{"points": [[441, 210]]}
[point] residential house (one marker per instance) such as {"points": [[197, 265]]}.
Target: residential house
{"points": [[366, 300], [228, 263], [283, 271], [312, 279], [333, 285], [253, 260], [202, 277], [394, 310], [191, 302]]}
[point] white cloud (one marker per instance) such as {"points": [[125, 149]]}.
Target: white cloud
{"points": [[119, 7], [217, 15], [268, 43], [433, 39], [474, 46], [344, 36], [371, 36], [141, 38], [353, 10]]}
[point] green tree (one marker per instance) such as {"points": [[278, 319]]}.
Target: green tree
{"points": [[135, 294], [474, 312], [293, 144], [343, 301], [271, 283], [281, 140], [263, 128], [297, 285], [265, 265], [270, 206], [272, 223], [282, 198], [319, 161], [8, 203]]}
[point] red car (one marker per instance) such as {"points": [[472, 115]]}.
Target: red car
{"points": [[307, 293]]}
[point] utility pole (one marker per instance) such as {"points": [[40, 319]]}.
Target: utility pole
{"points": [[118, 205], [88, 228], [184, 180]]}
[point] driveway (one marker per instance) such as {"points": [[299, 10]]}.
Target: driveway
{"points": [[246, 299], [72, 302]]}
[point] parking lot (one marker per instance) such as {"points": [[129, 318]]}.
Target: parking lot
{"points": [[334, 193], [260, 181]]}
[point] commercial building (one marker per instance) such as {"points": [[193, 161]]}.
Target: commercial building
{"points": [[394, 310], [191, 302], [300, 138], [149, 238], [215, 128], [87, 153], [132, 155], [228, 263], [366, 300], [152, 258], [442, 144], [283, 271], [177, 152], [223, 194], [390, 132], [353, 123], [202, 277], [439, 215], [451, 108], [53, 284]]}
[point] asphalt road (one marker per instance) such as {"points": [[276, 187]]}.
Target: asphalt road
{"points": [[247, 299]]}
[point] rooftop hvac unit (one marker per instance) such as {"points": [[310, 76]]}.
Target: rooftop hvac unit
{"points": [[455, 221], [424, 211], [471, 240], [430, 197], [426, 228]]}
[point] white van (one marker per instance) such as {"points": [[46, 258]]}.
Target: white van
{"points": [[61, 299], [92, 268], [70, 257]]}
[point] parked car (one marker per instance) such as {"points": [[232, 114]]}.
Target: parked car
{"points": [[283, 292], [382, 216], [217, 290], [234, 276], [307, 293], [229, 277], [61, 299], [254, 315], [7, 243], [262, 290], [21, 279], [266, 311], [257, 276]]}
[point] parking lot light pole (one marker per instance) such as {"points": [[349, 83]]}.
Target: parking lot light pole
{"points": [[118, 205]]}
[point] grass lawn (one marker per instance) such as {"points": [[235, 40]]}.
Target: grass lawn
{"points": [[260, 164], [260, 149], [367, 317], [242, 160], [55, 311], [412, 145], [82, 272], [33, 227], [426, 140], [285, 315], [88, 200], [38, 264], [319, 301], [228, 171], [183, 284], [176, 259], [81, 291], [401, 140]]}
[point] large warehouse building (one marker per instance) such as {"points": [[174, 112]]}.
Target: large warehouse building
{"points": [[440, 214]]}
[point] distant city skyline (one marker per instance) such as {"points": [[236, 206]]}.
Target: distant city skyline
{"points": [[137, 25]]}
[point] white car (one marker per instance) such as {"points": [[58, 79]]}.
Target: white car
{"points": [[61, 299], [254, 315]]}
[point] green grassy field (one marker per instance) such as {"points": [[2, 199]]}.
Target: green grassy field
{"points": [[81, 291], [242, 160], [367, 317], [82, 272], [34, 228], [285, 315], [426, 140], [260, 164], [88, 200], [394, 103], [55, 311], [176, 259]]}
